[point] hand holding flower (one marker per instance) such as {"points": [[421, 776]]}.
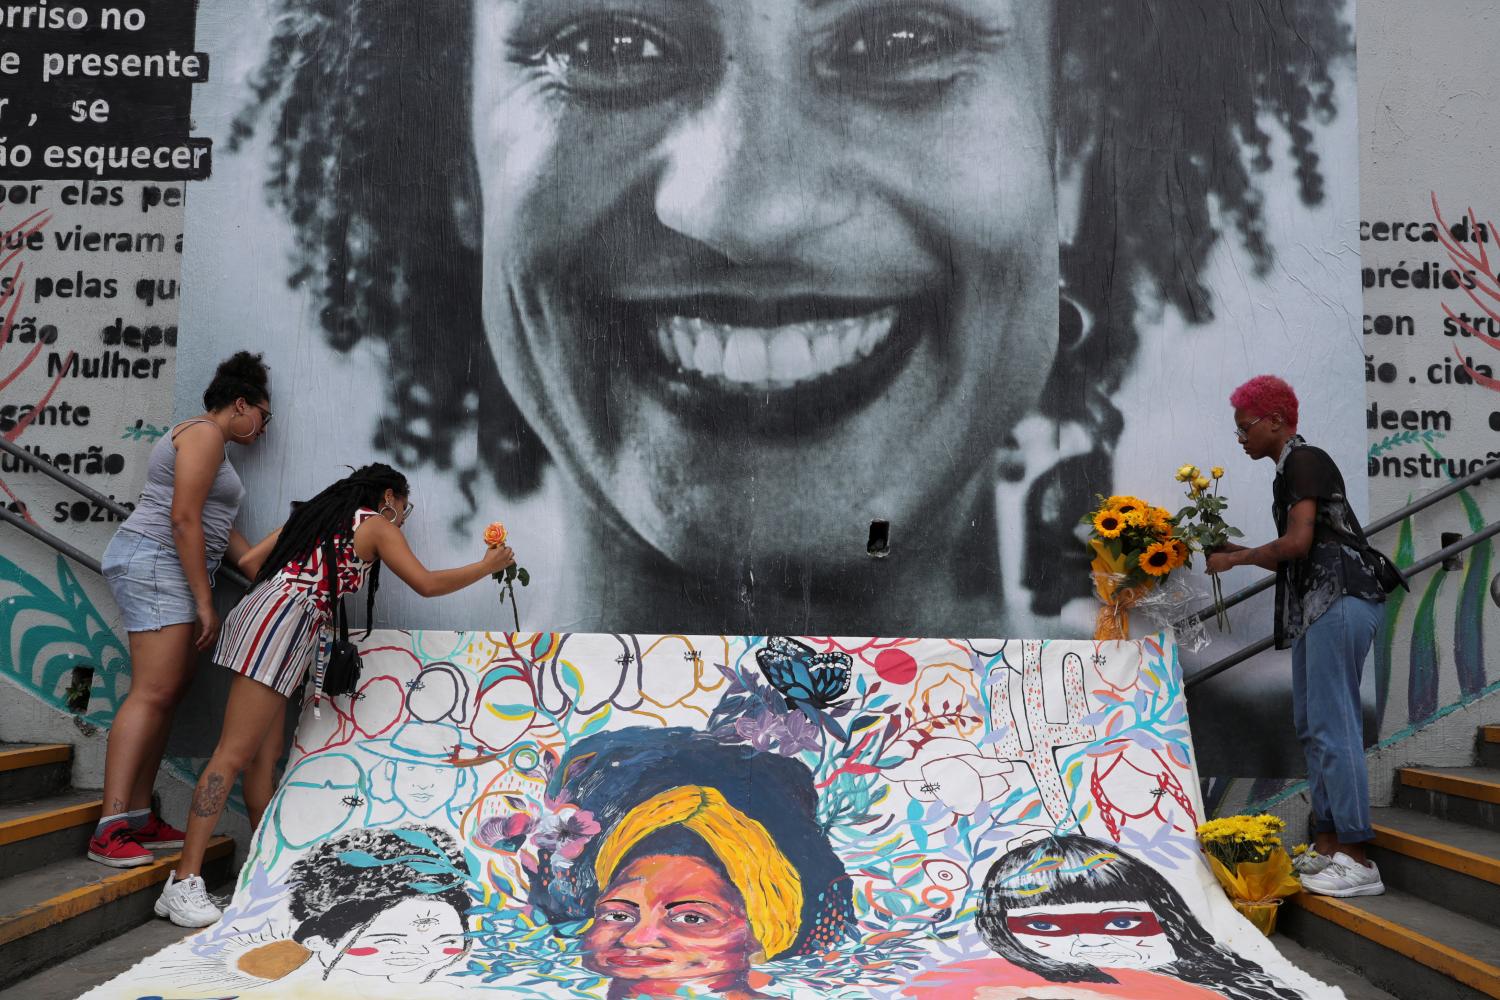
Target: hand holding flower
{"points": [[1219, 562], [506, 572]]}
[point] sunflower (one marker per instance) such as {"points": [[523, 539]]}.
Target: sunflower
{"points": [[1180, 552], [1127, 504], [1109, 523], [1136, 517], [1157, 560]]}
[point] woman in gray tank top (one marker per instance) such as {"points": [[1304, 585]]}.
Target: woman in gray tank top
{"points": [[160, 567]]}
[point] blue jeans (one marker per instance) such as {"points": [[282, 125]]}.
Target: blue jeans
{"points": [[1327, 662]]}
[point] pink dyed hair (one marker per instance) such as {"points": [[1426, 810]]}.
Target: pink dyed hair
{"points": [[1264, 395]]}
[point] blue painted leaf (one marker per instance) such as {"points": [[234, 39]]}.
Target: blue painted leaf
{"points": [[1384, 644], [1422, 683], [1468, 617], [419, 840]]}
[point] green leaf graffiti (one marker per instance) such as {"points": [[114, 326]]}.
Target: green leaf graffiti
{"points": [[1404, 557], [47, 630]]}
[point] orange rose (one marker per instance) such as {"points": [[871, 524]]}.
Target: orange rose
{"points": [[494, 535]]}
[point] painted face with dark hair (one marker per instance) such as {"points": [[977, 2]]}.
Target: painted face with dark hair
{"points": [[666, 921], [407, 943], [796, 252]]}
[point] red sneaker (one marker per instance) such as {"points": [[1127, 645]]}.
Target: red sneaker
{"points": [[116, 847], [158, 835]]}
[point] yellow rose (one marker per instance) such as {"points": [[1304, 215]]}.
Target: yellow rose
{"points": [[1201, 483], [1218, 472], [1186, 472]]}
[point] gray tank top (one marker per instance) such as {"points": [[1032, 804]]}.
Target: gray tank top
{"points": [[152, 516]]}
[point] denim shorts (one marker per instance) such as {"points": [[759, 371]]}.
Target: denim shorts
{"points": [[148, 583]]}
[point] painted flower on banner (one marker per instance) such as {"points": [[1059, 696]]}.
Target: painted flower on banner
{"points": [[954, 772], [787, 734], [565, 831], [507, 832]]}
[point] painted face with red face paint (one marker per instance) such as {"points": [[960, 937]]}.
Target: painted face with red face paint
{"points": [[1124, 935], [669, 922], [408, 943]]}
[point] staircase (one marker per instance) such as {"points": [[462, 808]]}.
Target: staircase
{"points": [[54, 902], [1436, 931]]}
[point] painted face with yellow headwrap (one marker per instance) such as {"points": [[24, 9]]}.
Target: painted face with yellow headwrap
{"points": [[710, 861], [693, 891]]}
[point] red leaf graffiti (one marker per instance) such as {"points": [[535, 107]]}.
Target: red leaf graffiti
{"points": [[1486, 283], [12, 271]]}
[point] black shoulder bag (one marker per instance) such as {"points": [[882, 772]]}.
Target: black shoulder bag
{"points": [[341, 675]]}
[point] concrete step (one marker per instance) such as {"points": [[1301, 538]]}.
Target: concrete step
{"points": [[1489, 746], [65, 908], [34, 770], [1406, 945], [44, 830], [1449, 864], [99, 964], [1461, 794]]}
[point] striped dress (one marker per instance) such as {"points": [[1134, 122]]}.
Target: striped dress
{"points": [[272, 635]]}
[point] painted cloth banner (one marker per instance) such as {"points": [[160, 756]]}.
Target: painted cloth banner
{"points": [[591, 816]]}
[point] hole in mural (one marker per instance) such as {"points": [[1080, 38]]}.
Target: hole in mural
{"points": [[1452, 562], [880, 539], [80, 686]]}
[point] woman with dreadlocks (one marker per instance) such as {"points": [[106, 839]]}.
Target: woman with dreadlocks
{"points": [[270, 640], [760, 273]]}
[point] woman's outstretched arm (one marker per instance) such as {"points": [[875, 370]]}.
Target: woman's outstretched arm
{"points": [[384, 541]]}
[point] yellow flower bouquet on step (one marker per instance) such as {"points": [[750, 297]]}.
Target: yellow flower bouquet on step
{"points": [[1247, 858], [1135, 549]]}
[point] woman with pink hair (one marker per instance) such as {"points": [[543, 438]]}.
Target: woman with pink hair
{"points": [[1330, 585]]}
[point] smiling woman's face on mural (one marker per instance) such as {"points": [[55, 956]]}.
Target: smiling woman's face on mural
{"points": [[670, 919], [405, 944], [786, 251], [1125, 935]]}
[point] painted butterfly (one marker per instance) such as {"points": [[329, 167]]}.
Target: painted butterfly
{"points": [[808, 681]]}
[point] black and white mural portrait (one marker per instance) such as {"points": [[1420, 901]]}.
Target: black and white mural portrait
{"points": [[825, 316]]}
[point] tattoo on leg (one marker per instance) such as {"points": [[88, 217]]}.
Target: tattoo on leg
{"points": [[208, 800], [116, 806]]}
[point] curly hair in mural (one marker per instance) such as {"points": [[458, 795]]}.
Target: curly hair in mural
{"points": [[1071, 908], [374, 902], [1150, 111], [687, 818], [333, 84]]}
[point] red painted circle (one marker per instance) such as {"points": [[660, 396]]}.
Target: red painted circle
{"points": [[896, 666]]}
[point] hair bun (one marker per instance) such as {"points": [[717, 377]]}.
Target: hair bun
{"points": [[245, 367], [241, 375]]}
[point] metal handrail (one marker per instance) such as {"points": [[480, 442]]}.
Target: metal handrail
{"points": [[1421, 566], [47, 538], [1420, 504], [88, 492]]}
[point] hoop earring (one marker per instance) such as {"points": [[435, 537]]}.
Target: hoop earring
{"points": [[241, 438], [392, 516]]}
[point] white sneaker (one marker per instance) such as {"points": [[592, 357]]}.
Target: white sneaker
{"points": [[186, 903], [1310, 862], [1343, 877]]}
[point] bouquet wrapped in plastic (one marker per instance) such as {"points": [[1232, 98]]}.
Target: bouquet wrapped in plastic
{"points": [[1247, 858], [1135, 551]]}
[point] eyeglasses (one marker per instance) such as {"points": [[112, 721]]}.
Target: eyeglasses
{"points": [[1243, 433], [265, 415], [407, 512]]}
